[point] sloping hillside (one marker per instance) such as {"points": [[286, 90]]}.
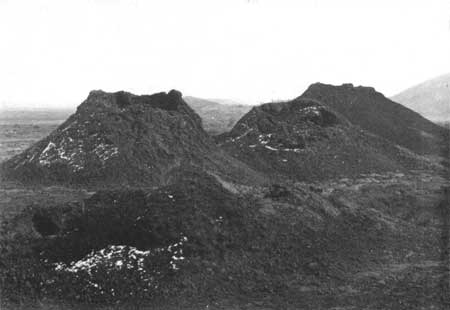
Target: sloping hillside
{"points": [[123, 139], [306, 140], [373, 112]]}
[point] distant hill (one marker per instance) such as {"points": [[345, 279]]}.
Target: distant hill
{"points": [[218, 115], [373, 112], [431, 98], [229, 101], [444, 124], [124, 140], [307, 140]]}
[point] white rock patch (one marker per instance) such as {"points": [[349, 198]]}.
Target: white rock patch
{"points": [[67, 150], [270, 148], [105, 151]]}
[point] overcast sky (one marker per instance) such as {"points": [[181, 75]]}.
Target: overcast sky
{"points": [[52, 53]]}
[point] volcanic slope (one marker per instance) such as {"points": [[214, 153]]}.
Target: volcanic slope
{"points": [[373, 112], [306, 140], [125, 140]]}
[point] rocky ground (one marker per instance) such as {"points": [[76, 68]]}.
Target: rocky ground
{"points": [[373, 241], [405, 269]]}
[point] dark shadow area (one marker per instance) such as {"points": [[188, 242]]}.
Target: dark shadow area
{"points": [[44, 225]]}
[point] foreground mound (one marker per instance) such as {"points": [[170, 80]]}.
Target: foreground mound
{"points": [[373, 112], [194, 238], [306, 140], [123, 139]]}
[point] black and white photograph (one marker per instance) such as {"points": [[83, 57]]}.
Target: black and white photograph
{"points": [[224, 154]]}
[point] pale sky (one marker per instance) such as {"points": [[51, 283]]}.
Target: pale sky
{"points": [[52, 53]]}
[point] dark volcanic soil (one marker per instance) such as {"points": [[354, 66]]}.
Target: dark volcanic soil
{"points": [[304, 139], [123, 140], [129, 204], [367, 243], [372, 111]]}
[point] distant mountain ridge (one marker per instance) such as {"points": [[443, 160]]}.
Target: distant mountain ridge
{"points": [[431, 98], [30, 115], [218, 115], [230, 101]]}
